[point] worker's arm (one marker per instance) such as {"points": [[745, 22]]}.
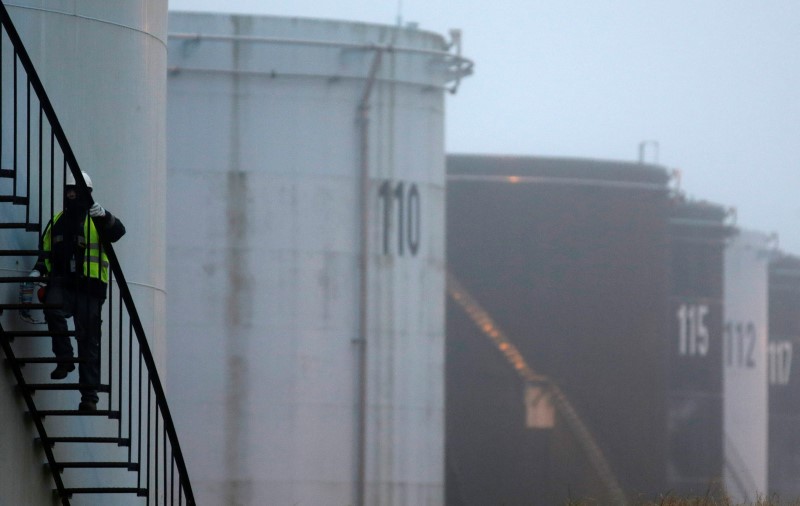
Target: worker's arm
{"points": [[112, 228], [108, 224]]}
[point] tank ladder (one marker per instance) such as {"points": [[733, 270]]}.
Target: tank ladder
{"points": [[564, 407]]}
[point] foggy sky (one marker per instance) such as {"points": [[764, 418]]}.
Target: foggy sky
{"points": [[715, 83]]}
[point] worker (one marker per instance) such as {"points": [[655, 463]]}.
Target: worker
{"points": [[76, 271]]}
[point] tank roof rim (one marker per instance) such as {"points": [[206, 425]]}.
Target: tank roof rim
{"points": [[321, 21]]}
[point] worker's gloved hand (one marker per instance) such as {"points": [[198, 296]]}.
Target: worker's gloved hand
{"points": [[97, 211]]}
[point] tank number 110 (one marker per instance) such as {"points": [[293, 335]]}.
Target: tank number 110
{"points": [[401, 212]]}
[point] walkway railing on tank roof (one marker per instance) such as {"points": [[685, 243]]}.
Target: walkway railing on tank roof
{"points": [[458, 66], [36, 158]]}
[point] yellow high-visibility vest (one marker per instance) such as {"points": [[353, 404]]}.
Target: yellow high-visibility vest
{"points": [[95, 261]]}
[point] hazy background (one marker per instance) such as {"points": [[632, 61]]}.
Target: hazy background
{"points": [[715, 83]]}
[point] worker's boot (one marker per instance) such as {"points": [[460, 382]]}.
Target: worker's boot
{"points": [[87, 406], [61, 371]]}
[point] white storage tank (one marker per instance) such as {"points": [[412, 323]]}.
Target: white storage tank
{"points": [[306, 258], [102, 65], [747, 257]]}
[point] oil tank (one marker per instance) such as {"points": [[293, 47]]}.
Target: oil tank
{"points": [[102, 66], [745, 374], [784, 381], [698, 234], [569, 257], [306, 258]]}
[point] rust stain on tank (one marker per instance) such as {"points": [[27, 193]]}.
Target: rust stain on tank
{"points": [[238, 311], [238, 297], [238, 277]]}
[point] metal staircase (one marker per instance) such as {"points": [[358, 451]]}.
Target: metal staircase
{"points": [[129, 445], [565, 409]]}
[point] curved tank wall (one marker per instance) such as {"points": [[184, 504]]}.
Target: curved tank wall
{"points": [[784, 376], [22, 480], [102, 65], [264, 275], [745, 377], [697, 237], [568, 257]]}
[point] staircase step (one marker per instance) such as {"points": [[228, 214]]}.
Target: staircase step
{"points": [[17, 279], [130, 466], [81, 439], [30, 227], [64, 386], [20, 252], [14, 199], [22, 362], [49, 360], [29, 307], [36, 333], [114, 415], [141, 492]]}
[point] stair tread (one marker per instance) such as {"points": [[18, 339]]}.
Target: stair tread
{"points": [[20, 252], [31, 227], [18, 305], [18, 279], [49, 360], [88, 464], [86, 439], [106, 490], [75, 412], [65, 386], [36, 333], [14, 199]]}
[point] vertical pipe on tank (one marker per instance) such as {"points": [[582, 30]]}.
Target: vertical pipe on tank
{"points": [[361, 438]]}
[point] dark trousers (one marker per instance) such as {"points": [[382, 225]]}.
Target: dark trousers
{"points": [[85, 310]]}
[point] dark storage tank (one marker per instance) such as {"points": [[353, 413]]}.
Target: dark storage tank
{"points": [[694, 400], [570, 258], [784, 378]]}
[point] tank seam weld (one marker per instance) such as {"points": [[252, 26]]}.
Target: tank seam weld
{"points": [[145, 285], [295, 75]]}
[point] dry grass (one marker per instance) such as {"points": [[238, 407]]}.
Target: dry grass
{"points": [[712, 498], [712, 501]]}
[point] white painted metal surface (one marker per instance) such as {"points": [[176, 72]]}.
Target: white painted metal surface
{"points": [[264, 249], [103, 66], [745, 377]]}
